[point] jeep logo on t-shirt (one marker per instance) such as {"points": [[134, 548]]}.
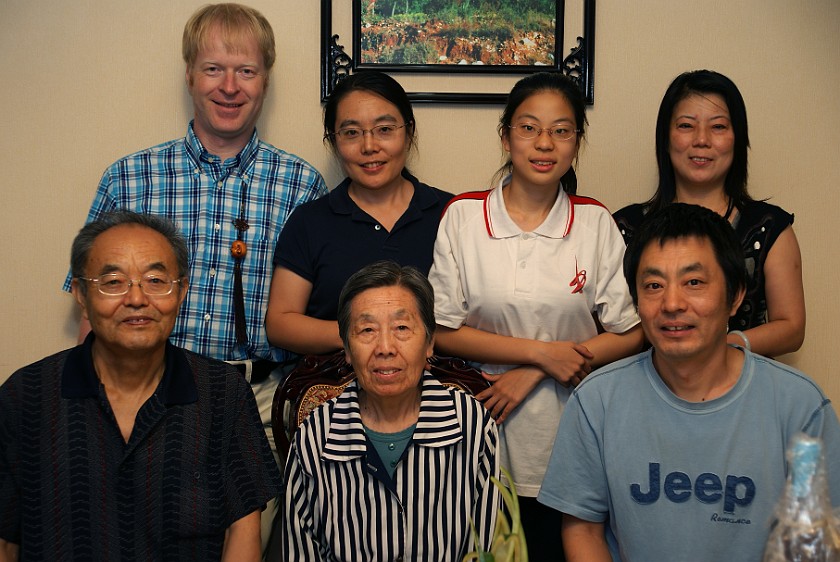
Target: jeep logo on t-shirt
{"points": [[708, 488]]}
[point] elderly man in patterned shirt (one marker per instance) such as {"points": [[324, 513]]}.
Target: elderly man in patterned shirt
{"points": [[128, 447]]}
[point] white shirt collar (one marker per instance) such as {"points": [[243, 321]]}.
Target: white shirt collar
{"points": [[557, 224]]}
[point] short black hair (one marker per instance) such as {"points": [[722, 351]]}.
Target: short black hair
{"points": [[387, 274], [680, 220]]}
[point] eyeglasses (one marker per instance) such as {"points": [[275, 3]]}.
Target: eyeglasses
{"points": [[531, 131], [118, 284], [380, 132]]}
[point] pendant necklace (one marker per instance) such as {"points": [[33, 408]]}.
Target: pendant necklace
{"points": [[238, 249]]}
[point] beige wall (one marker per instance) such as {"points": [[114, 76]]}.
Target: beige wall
{"points": [[85, 82]]}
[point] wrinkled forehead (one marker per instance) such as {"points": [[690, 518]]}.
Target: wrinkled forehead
{"points": [[393, 301], [132, 242]]}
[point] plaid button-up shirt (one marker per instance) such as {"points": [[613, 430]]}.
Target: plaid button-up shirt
{"points": [[204, 195]]}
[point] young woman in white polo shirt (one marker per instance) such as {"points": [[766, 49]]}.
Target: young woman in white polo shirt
{"points": [[528, 282]]}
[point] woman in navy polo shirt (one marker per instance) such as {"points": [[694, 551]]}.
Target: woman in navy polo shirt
{"points": [[379, 212]]}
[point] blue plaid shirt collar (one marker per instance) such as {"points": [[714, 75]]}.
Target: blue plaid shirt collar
{"points": [[203, 159]]}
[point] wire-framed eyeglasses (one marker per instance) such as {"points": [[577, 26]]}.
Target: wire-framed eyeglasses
{"points": [[118, 284], [532, 131], [380, 132]]}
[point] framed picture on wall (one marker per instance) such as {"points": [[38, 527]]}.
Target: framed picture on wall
{"points": [[476, 36], [452, 44]]}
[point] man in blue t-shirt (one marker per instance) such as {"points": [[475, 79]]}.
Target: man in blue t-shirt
{"points": [[679, 453]]}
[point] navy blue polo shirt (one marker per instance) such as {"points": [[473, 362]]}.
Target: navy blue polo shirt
{"points": [[327, 240], [71, 488]]}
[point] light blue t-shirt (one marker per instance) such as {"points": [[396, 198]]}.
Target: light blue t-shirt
{"points": [[677, 480]]}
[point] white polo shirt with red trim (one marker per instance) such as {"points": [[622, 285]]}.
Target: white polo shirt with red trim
{"points": [[543, 285]]}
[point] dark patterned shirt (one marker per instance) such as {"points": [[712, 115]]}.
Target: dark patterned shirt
{"points": [[71, 488], [757, 226]]}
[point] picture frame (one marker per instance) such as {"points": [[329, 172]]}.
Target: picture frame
{"points": [[412, 50]]}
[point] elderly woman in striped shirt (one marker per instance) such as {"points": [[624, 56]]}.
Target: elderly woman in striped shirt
{"points": [[397, 466]]}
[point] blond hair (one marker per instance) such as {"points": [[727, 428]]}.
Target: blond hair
{"points": [[236, 22]]}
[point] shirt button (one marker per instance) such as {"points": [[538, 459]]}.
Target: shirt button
{"points": [[217, 227], [391, 446], [220, 184], [207, 318], [377, 227], [522, 264], [212, 272]]}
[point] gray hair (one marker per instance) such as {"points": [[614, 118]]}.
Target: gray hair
{"points": [[387, 274], [82, 244]]}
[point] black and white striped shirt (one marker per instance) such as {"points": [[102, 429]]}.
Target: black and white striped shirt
{"points": [[341, 505]]}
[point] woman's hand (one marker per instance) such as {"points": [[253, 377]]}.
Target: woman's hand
{"points": [[508, 390], [564, 361]]}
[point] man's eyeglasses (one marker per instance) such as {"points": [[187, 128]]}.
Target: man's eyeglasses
{"points": [[118, 284], [380, 133], [531, 131]]}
